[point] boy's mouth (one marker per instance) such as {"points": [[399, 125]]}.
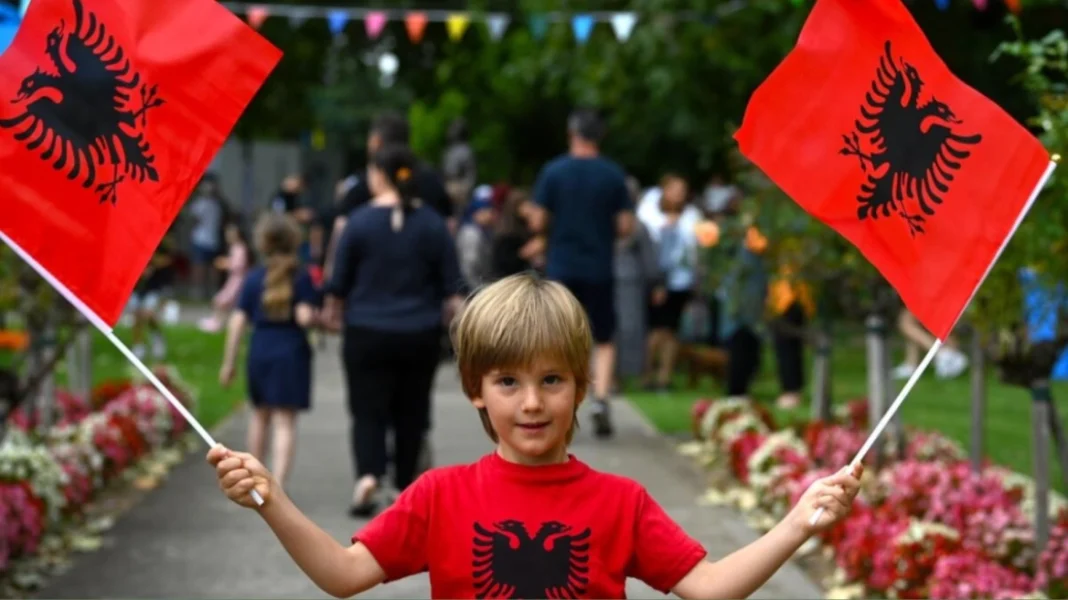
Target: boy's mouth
{"points": [[533, 426]]}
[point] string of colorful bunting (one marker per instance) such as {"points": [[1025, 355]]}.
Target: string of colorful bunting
{"points": [[457, 22]]}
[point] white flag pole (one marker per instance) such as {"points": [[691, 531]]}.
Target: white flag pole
{"points": [[890, 412], [105, 329]]}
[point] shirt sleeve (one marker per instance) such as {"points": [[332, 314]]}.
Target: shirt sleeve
{"points": [[304, 291], [453, 282], [345, 260], [249, 298], [663, 552], [621, 197], [543, 191], [398, 536]]}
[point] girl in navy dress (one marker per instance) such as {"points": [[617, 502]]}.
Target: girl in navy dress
{"points": [[278, 300]]}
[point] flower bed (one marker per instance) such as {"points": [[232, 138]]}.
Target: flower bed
{"points": [[923, 526], [48, 478]]}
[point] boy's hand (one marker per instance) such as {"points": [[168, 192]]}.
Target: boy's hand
{"points": [[834, 494], [239, 473]]}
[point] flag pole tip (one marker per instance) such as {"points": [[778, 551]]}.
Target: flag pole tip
{"points": [[1056, 158]]}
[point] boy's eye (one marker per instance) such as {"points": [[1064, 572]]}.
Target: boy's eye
{"points": [[506, 381], [553, 379]]}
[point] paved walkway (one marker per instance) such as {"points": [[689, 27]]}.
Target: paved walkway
{"points": [[186, 540]]}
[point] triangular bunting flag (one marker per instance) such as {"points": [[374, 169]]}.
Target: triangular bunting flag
{"points": [[337, 19], [942, 5], [415, 23], [980, 4], [23, 5], [374, 23], [457, 25], [1014, 6], [497, 25], [582, 27], [623, 25], [256, 15], [539, 26], [297, 16]]}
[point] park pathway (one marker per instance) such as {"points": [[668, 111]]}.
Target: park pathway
{"points": [[186, 540]]}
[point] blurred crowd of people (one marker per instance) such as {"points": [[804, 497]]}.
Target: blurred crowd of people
{"points": [[668, 275]]}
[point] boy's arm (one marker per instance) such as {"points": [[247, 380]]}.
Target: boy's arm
{"points": [[339, 571], [744, 571]]}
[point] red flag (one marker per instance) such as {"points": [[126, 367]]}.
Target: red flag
{"points": [[866, 128], [110, 111]]}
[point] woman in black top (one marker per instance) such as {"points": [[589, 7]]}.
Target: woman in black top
{"points": [[394, 269]]}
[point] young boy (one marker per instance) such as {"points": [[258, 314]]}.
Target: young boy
{"points": [[528, 520]]}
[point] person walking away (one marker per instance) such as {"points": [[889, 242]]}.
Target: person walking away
{"points": [[792, 307], [583, 205], [208, 214], [672, 227], [390, 128], [473, 239], [235, 263], [459, 166], [515, 248], [395, 268], [279, 303], [636, 271]]}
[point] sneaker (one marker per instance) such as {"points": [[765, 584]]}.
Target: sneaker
{"points": [[903, 371], [950, 363], [602, 420]]}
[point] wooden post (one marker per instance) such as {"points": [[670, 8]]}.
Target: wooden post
{"points": [[877, 375], [821, 376], [1040, 411], [45, 397], [978, 379]]}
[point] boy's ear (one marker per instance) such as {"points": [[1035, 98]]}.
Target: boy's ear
{"points": [[478, 403]]}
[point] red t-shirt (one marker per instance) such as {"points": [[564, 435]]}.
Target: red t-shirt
{"points": [[498, 529]]}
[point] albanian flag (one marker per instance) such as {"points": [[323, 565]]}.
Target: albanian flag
{"points": [[110, 111], [865, 127]]}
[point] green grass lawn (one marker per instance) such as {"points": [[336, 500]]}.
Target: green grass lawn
{"points": [[935, 404], [196, 355]]}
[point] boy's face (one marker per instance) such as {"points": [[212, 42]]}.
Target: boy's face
{"points": [[532, 410]]}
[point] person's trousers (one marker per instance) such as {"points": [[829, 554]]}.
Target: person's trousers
{"points": [[389, 376], [789, 350], [743, 360]]}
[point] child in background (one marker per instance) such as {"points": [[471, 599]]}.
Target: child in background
{"points": [[236, 264], [473, 238], [523, 348], [147, 298], [279, 301]]}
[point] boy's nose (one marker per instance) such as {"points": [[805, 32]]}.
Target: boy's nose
{"points": [[531, 400]]}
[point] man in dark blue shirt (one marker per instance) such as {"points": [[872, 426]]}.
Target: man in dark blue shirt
{"points": [[584, 205]]}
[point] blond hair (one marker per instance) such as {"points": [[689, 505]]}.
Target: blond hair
{"points": [[512, 324], [278, 240]]}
